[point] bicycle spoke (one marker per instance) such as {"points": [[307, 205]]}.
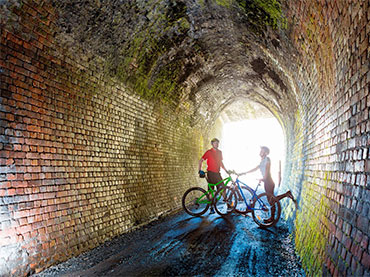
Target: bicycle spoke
{"points": [[195, 201], [266, 212], [225, 201], [243, 202]]}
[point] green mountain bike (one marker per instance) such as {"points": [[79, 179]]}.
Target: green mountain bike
{"points": [[196, 200]]}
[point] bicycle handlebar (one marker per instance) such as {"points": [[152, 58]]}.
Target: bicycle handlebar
{"points": [[235, 173], [230, 172], [241, 174]]}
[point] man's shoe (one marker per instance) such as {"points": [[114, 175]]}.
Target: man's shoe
{"points": [[268, 221], [290, 195]]}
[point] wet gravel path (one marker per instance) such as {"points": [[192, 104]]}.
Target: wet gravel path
{"points": [[181, 245]]}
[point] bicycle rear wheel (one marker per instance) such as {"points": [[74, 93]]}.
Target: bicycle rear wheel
{"points": [[242, 207], [195, 201], [263, 212], [224, 201]]}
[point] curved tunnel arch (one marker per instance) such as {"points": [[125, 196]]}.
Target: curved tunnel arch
{"points": [[218, 92]]}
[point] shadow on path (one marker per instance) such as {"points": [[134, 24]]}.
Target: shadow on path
{"points": [[181, 245]]}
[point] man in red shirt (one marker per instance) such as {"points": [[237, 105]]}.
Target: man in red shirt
{"points": [[213, 157]]}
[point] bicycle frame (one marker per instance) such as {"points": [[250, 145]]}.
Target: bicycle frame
{"points": [[238, 182], [212, 191], [204, 200]]}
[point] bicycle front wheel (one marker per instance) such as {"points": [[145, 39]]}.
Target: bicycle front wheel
{"points": [[265, 211], [195, 201], [225, 201], [242, 206]]}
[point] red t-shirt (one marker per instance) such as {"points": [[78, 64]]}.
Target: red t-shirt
{"points": [[214, 159]]}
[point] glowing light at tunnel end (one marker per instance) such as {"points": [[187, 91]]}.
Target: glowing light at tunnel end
{"points": [[240, 145]]}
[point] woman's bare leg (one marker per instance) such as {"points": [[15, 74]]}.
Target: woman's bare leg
{"points": [[269, 188], [287, 194]]}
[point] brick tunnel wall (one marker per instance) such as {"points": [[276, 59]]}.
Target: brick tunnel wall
{"points": [[73, 171], [82, 158], [331, 136]]}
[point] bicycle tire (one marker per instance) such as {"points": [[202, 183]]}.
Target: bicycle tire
{"points": [[221, 206], [189, 201], [261, 211], [241, 206]]}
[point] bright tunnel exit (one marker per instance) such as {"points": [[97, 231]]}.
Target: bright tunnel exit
{"points": [[241, 142]]}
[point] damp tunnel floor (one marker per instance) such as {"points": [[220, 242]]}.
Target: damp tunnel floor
{"points": [[181, 245]]}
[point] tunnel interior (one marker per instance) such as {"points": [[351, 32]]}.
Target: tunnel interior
{"points": [[107, 106]]}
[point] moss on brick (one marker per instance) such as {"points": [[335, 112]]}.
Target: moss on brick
{"points": [[146, 66], [311, 239], [144, 44], [263, 13], [224, 3]]}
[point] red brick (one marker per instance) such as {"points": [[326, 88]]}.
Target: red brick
{"points": [[27, 236], [16, 140], [20, 214], [49, 195], [46, 156], [19, 191], [10, 177], [15, 61], [11, 192], [22, 221], [25, 148], [39, 78], [29, 46], [24, 229], [27, 176], [33, 128], [21, 70], [33, 169], [5, 184], [14, 39], [31, 155], [365, 242], [9, 161], [365, 261], [30, 67], [17, 147], [5, 154], [35, 176], [9, 117], [18, 155], [21, 84], [35, 163], [19, 184]]}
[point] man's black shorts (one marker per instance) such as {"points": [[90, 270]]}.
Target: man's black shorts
{"points": [[214, 178]]}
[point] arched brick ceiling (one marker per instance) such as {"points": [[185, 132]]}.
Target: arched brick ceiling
{"points": [[212, 54]]}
